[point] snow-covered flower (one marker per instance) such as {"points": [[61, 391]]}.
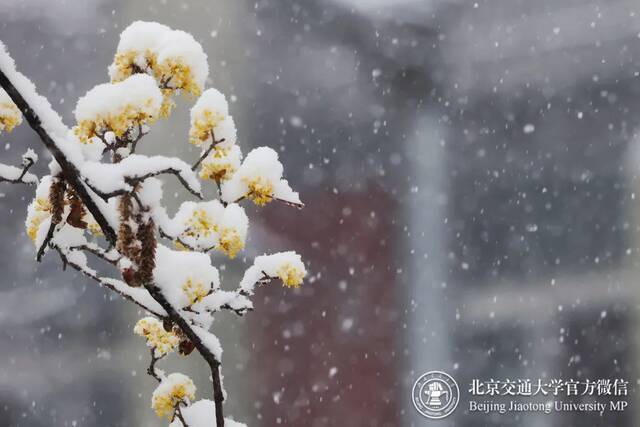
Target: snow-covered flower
{"points": [[10, 115], [286, 266], [117, 107], [39, 209], [211, 225], [232, 230], [175, 389], [210, 117], [259, 179], [137, 50], [182, 63], [195, 291], [184, 277], [174, 58], [201, 414], [221, 164], [201, 222], [157, 337]]}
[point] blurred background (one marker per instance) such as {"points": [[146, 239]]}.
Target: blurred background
{"points": [[470, 170]]}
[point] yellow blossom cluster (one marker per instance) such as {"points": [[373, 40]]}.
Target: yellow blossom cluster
{"points": [[39, 211], [10, 115], [203, 124], [119, 122], [131, 62], [195, 291], [157, 337], [221, 164], [216, 226], [200, 224], [174, 389], [177, 74], [260, 190], [230, 242], [290, 275], [173, 58]]}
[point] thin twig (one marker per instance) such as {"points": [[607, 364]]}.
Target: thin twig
{"points": [[178, 413], [207, 151], [26, 164], [46, 241], [96, 250], [151, 370], [102, 281]]}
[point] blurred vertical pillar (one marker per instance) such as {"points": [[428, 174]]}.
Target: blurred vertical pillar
{"points": [[632, 168], [427, 340]]}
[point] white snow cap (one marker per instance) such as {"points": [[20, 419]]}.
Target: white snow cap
{"points": [[261, 164], [226, 130], [211, 113], [175, 269], [139, 91], [287, 266], [111, 177], [145, 39], [202, 414], [211, 100], [181, 46], [140, 36]]}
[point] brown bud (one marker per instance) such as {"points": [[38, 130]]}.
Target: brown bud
{"points": [[186, 347], [167, 324], [129, 276]]}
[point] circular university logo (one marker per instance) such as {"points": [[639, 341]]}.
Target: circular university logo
{"points": [[435, 395]]}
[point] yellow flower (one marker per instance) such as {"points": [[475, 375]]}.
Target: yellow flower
{"points": [[167, 103], [157, 337], [221, 164], [176, 74], [230, 242], [260, 190], [131, 62], [38, 212], [202, 126], [194, 291], [200, 224], [10, 115], [290, 275], [173, 390], [128, 117]]}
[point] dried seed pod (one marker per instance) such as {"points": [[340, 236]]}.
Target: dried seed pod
{"points": [[147, 259], [56, 199]]}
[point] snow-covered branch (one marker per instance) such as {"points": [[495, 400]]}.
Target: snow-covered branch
{"points": [[52, 132], [140, 297], [111, 180], [101, 198], [21, 175]]}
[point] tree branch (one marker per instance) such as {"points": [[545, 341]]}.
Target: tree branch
{"points": [[14, 175], [46, 241], [133, 181], [207, 151], [69, 170], [205, 352], [103, 281], [151, 370], [109, 256]]}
